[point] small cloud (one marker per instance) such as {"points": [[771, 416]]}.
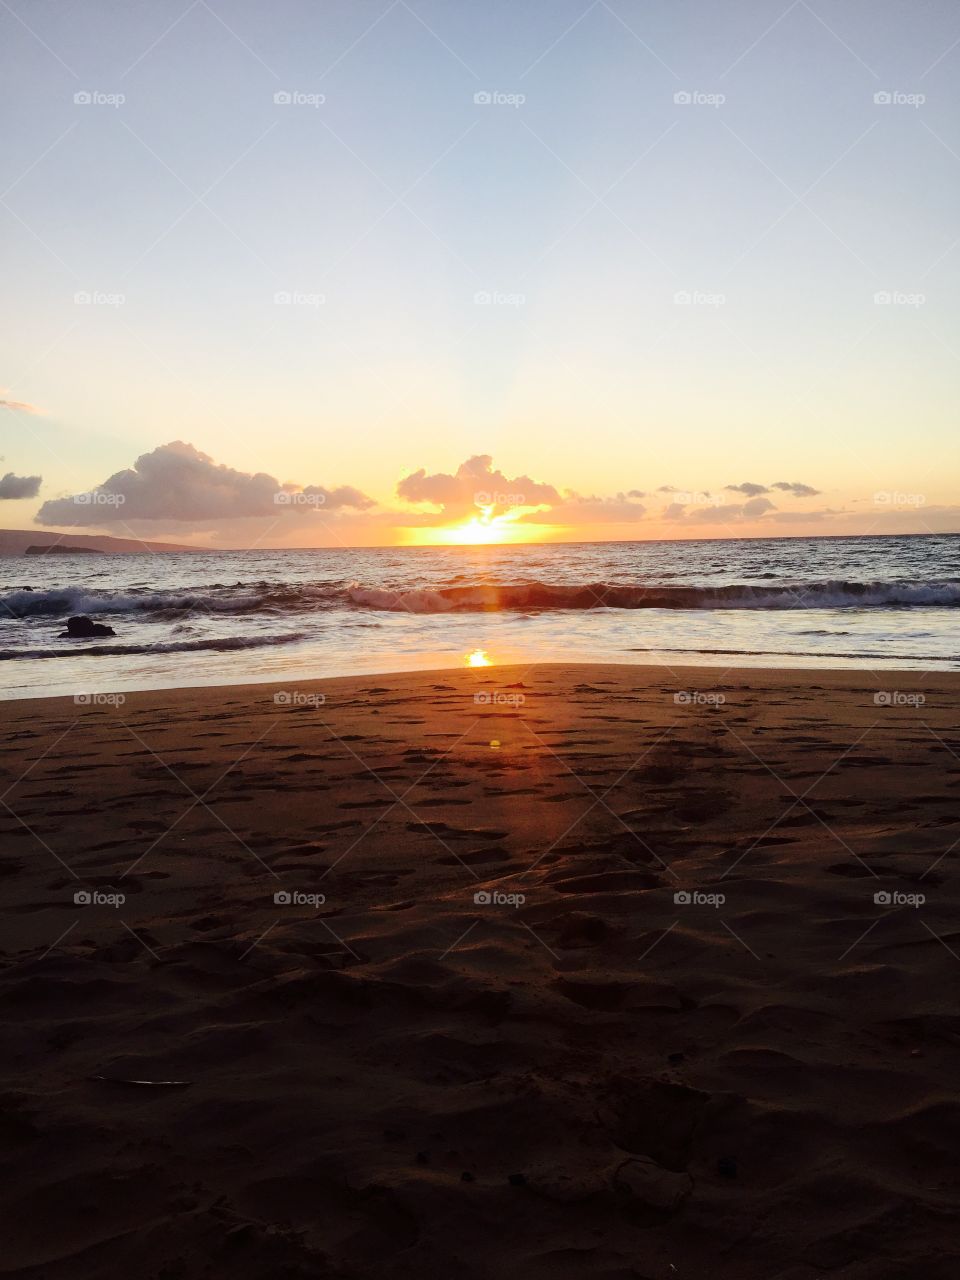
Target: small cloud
{"points": [[12, 486], [756, 507], [751, 490], [796, 488], [801, 517], [16, 406], [729, 513]]}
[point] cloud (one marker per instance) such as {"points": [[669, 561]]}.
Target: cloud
{"points": [[177, 484], [724, 513], [796, 488], [478, 488], [12, 486], [475, 485], [798, 517], [576, 508], [16, 406], [751, 490], [793, 487]]}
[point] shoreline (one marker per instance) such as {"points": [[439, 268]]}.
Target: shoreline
{"points": [[529, 970], [707, 673]]}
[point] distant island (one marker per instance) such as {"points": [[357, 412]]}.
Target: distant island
{"points": [[57, 549], [18, 542]]}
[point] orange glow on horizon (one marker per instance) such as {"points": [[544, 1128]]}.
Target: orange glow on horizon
{"points": [[478, 658], [482, 529]]}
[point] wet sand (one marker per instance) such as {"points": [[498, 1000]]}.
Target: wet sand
{"points": [[574, 971]]}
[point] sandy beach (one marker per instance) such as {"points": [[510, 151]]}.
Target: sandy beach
{"points": [[553, 971]]}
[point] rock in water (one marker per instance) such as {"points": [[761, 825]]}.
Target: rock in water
{"points": [[82, 627]]}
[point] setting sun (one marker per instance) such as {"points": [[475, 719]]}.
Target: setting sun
{"points": [[478, 658], [482, 529]]}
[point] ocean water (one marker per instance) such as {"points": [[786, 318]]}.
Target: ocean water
{"points": [[228, 617]]}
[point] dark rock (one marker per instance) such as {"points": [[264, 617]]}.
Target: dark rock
{"points": [[82, 627]]}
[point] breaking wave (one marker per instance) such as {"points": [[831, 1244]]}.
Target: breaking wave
{"points": [[600, 595], [282, 599]]}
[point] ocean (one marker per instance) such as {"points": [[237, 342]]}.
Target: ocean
{"points": [[220, 617]]}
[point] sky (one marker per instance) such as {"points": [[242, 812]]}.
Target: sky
{"points": [[300, 273]]}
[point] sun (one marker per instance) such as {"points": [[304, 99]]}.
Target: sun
{"points": [[482, 530], [479, 658]]}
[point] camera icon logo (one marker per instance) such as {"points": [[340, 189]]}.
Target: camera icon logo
{"points": [[483, 98], [482, 898], [682, 898], [83, 98], [883, 98], [282, 898], [882, 898], [282, 699], [282, 98], [82, 898], [683, 98], [882, 699]]}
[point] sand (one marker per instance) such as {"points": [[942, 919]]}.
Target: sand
{"points": [[580, 1076]]}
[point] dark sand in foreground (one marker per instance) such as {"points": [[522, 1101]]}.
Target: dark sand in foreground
{"points": [[599, 1081]]}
